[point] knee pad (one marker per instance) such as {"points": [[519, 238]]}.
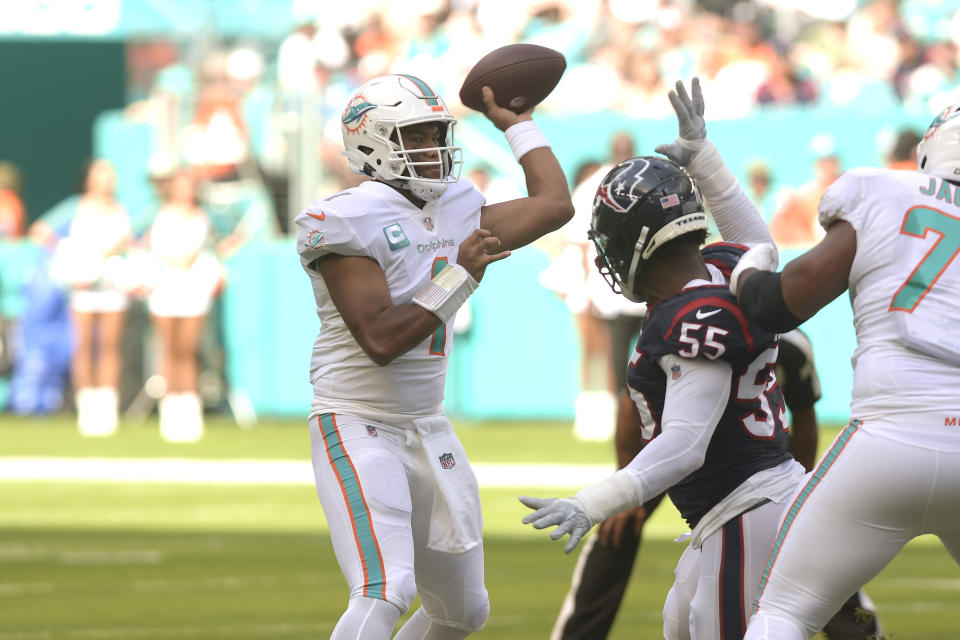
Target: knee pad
{"points": [[469, 614], [405, 591], [476, 613], [676, 618]]}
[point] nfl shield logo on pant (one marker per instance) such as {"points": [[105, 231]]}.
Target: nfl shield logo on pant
{"points": [[447, 461]]}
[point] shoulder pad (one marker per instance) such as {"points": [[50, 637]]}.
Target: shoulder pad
{"points": [[723, 255], [330, 226]]}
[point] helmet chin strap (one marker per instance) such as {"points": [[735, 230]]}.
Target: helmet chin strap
{"points": [[632, 272]]}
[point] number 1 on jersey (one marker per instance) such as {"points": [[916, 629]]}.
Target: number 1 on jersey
{"points": [[439, 340], [917, 222]]}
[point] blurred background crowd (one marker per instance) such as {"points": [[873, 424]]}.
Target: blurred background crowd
{"points": [[115, 294]]}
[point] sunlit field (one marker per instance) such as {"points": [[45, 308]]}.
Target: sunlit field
{"points": [[201, 549]]}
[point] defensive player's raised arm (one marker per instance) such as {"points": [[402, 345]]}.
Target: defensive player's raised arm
{"points": [[547, 206], [736, 215]]}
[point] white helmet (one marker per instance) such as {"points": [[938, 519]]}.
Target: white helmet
{"points": [[374, 147], [938, 154]]}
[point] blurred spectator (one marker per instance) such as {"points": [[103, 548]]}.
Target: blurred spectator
{"points": [[784, 85], [181, 293], [216, 141], [933, 85], [873, 41], [911, 57], [89, 259], [644, 91], [41, 345], [606, 322], [759, 183], [794, 224], [493, 187], [12, 214], [903, 153]]}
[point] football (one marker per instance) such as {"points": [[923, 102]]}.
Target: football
{"points": [[521, 76]]}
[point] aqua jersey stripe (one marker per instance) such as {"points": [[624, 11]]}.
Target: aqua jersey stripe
{"points": [[828, 459], [370, 558], [428, 93]]}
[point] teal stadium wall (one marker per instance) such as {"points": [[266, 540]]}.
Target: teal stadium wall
{"points": [[520, 357]]}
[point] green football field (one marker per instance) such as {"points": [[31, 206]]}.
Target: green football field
{"points": [[234, 556]]}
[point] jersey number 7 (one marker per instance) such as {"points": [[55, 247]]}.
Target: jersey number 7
{"points": [[917, 222]]}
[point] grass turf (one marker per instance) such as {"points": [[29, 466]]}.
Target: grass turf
{"points": [[104, 560]]}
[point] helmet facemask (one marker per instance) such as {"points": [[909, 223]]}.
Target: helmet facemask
{"points": [[414, 162]]}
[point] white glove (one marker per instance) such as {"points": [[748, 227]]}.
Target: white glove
{"points": [[693, 129], [568, 513], [762, 257]]}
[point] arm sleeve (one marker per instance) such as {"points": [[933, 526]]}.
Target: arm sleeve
{"points": [[737, 217], [693, 405]]}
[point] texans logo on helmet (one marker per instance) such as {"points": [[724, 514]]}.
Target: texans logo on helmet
{"points": [[610, 191]]}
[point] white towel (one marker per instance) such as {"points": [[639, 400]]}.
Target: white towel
{"points": [[456, 523]]}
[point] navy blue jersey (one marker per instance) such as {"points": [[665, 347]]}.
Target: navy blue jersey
{"points": [[705, 322]]}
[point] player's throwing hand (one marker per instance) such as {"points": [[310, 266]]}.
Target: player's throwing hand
{"points": [[501, 117]]}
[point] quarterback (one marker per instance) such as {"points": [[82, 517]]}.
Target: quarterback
{"points": [[894, 473], [390, 262]]}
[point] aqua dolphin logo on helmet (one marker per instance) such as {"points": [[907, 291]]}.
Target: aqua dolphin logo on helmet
{"points": [[938, 154], [356, 113], [941, 118]]}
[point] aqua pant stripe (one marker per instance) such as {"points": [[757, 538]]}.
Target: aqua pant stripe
{"points": [[828, 459], [374, 577]]}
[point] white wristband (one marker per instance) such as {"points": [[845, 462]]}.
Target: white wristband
{"points": [[446, 292], [609, 497], [524, 137]]}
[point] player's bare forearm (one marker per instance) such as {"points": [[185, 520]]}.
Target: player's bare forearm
{"points": [[803, 437], [627, 437], [820, 275], [358, 288], [394, 331], [547, 207]]}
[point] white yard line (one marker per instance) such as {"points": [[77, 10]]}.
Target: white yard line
{"points": [[262, 472]]}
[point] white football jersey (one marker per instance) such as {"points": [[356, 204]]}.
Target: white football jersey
{"points": [[411, 245], [904, 288]]}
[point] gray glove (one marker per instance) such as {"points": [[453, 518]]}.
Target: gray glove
{"points": [[693, 129], [568, 513]]}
